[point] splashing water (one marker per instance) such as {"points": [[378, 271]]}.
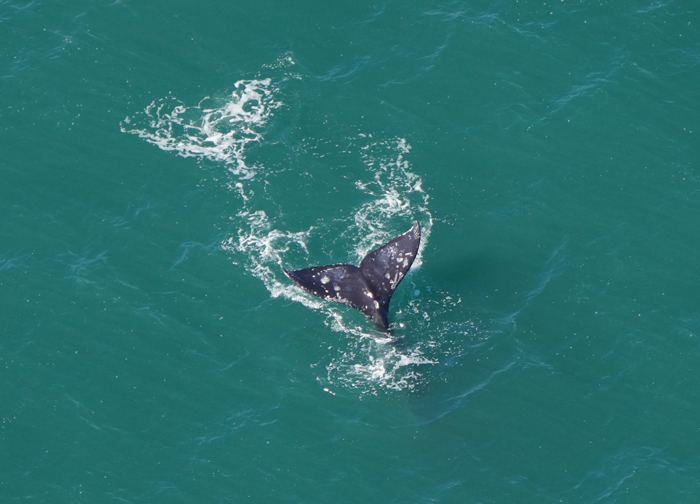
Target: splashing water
{"points": [[223, 130]]}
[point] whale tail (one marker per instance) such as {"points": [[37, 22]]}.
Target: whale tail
{"points": [[368, 287]]}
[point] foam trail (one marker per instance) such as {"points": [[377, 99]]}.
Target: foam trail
{"points": [[222, 131], [397, 192], [264, 248]]}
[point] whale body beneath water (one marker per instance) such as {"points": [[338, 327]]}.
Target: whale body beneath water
{"points": [[368, 287]]}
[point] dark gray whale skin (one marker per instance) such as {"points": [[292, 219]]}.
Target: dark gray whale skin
{"points": [[368, 287]]}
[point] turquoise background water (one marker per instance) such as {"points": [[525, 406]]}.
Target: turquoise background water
{"points": [[162, 161]]}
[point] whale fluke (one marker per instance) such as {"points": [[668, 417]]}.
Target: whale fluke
{"points": [[368, 288]]}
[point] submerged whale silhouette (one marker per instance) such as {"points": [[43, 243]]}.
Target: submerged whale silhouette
{"points": [[368, 288]]}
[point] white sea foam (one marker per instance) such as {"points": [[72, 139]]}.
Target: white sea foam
{"points": [[216, 129], [397, 192], [263, 249], [222, 130], [370, 365]]}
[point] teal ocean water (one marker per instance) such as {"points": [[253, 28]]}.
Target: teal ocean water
{"points": [[161, 162]]}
